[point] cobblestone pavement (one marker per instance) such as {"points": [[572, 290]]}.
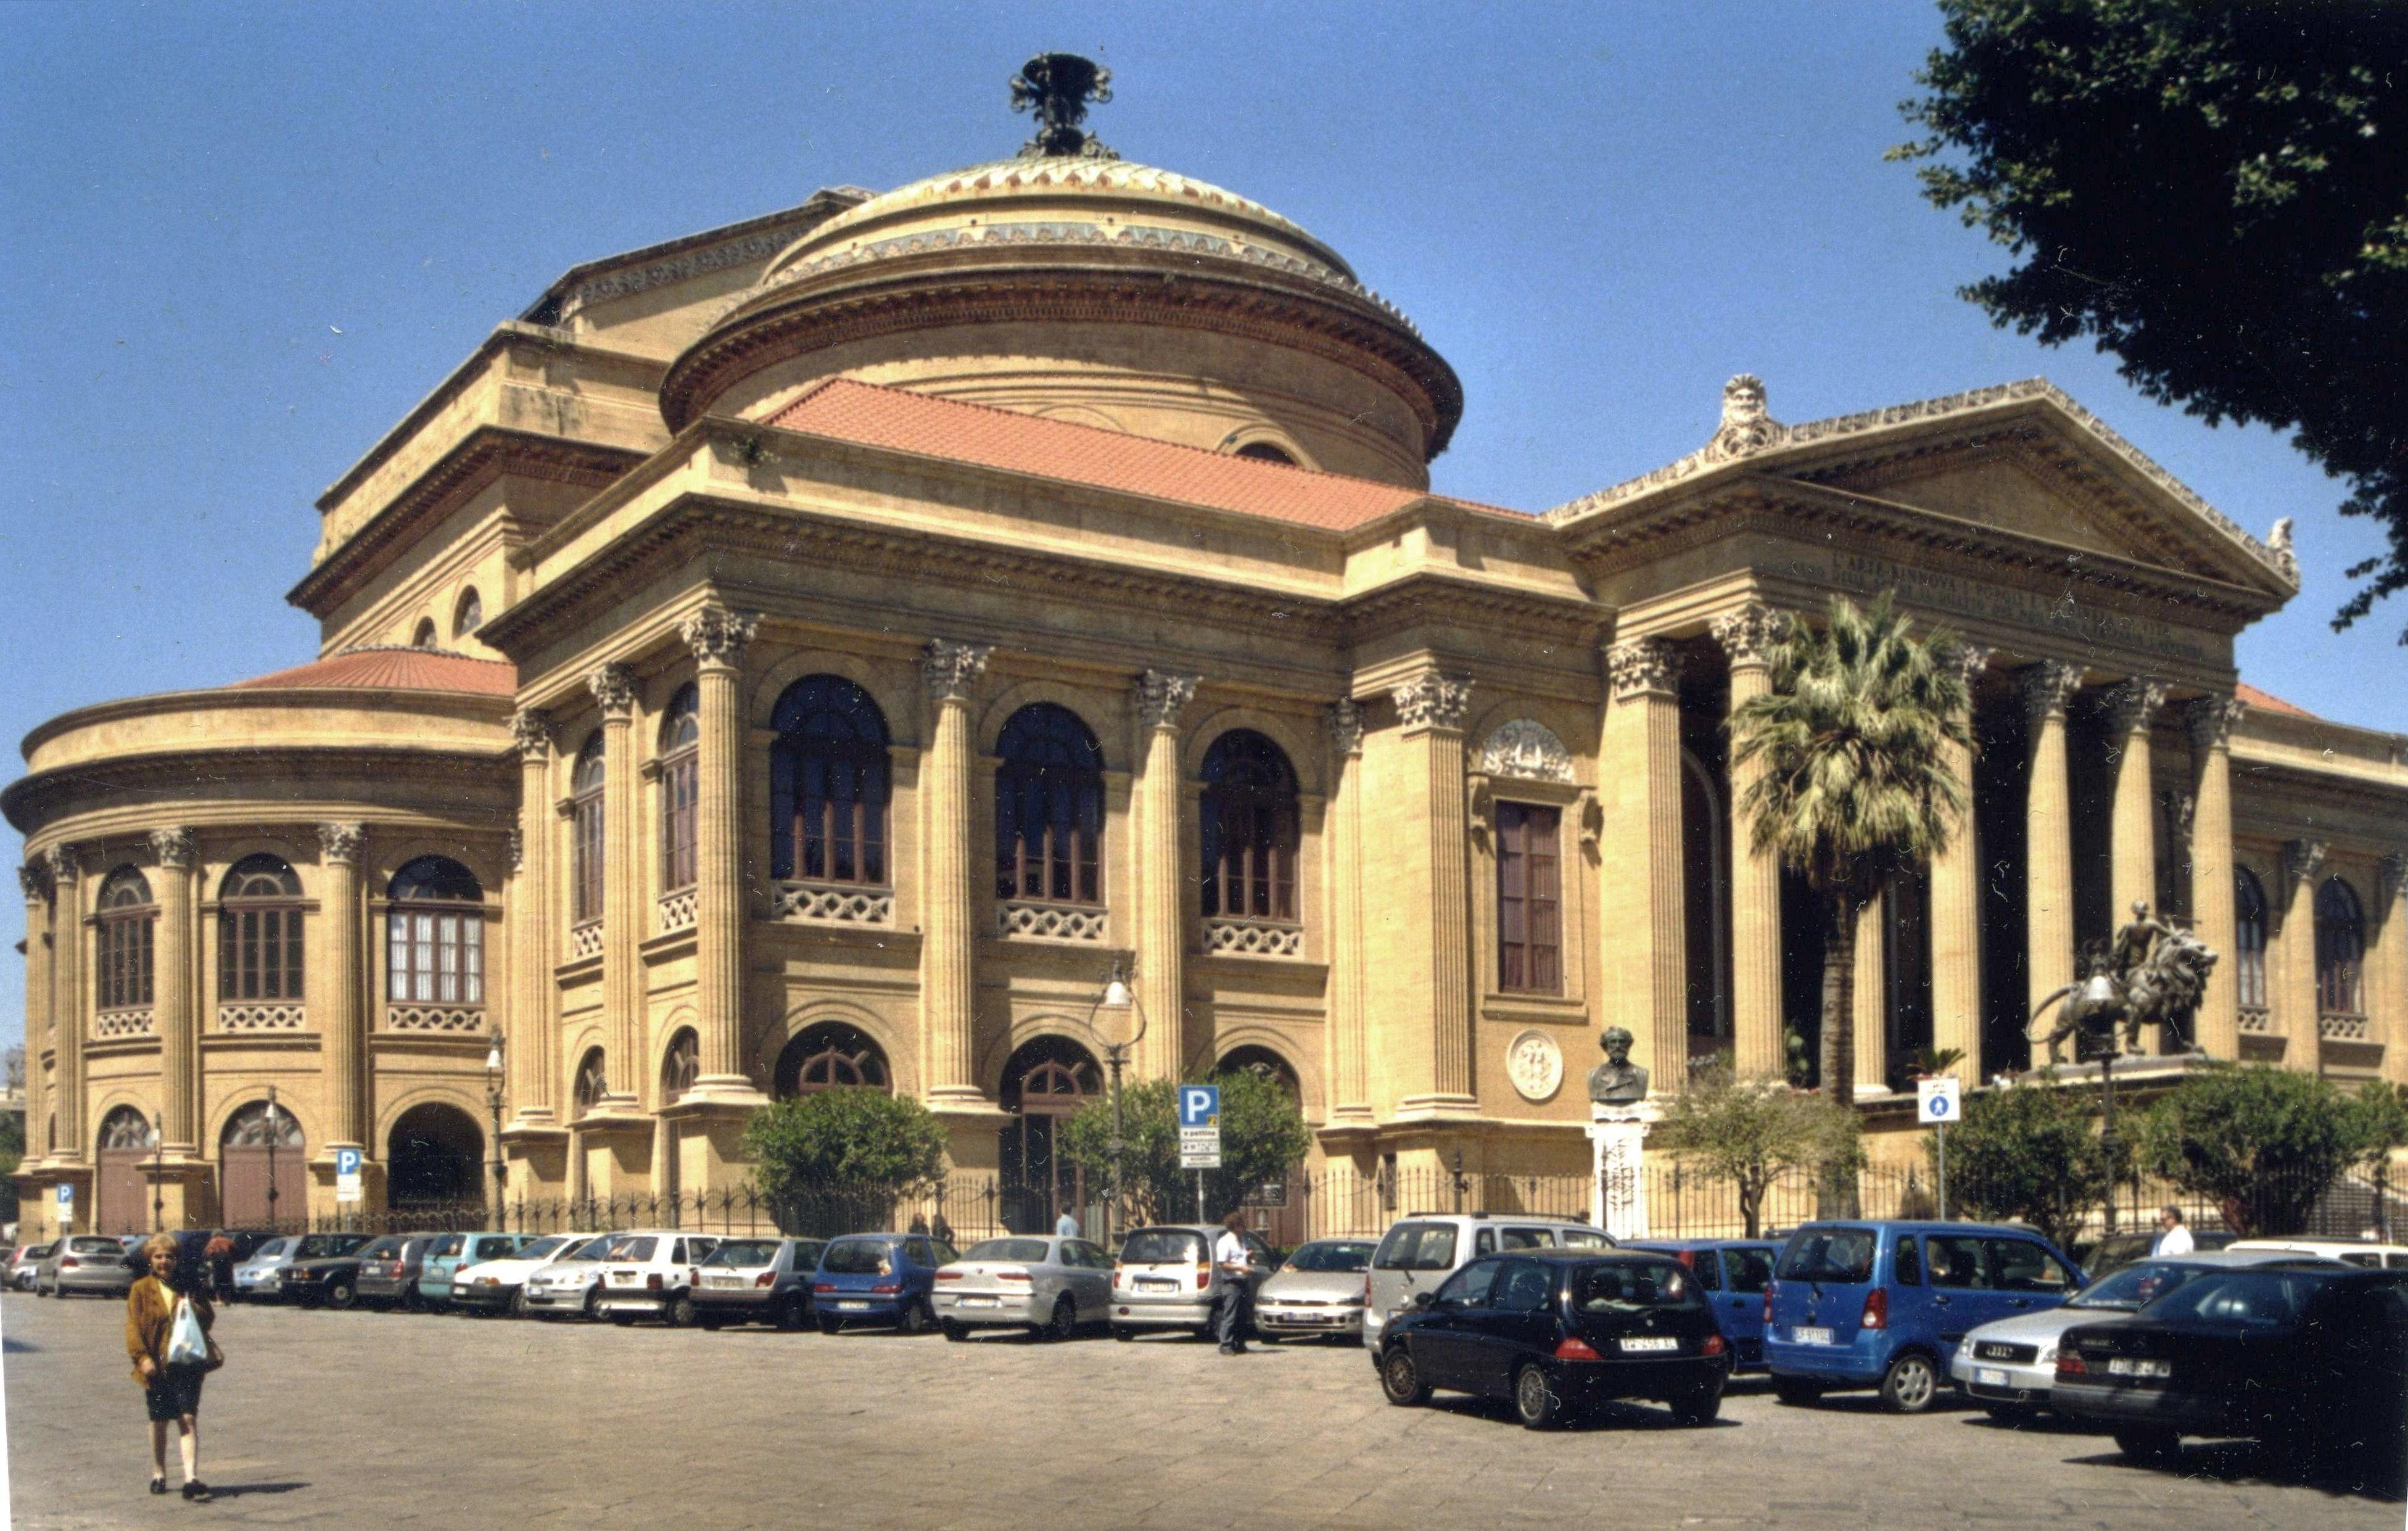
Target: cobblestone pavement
{"points": [[389, 1420]]}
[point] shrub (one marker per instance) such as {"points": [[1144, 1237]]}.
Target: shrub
{"points": [[852, 1136], [2262, 1143], [2030, 1154], [1750, 1131], [1263, 1139]]}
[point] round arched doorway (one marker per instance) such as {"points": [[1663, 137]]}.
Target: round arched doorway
{"points": [[434, 1159], [830, 1055], [1277, 1207], [257, 1155], [1045, 1083], [121, 1202]]}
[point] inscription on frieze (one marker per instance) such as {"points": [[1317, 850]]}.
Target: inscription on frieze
{"points": [[1959, 595]]}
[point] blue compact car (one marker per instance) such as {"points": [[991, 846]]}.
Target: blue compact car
{"points": [[1882, 1305], [1733, 1273], [878, 1278]]}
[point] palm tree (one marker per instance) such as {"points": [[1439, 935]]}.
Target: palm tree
{"points": [[1855, 784]]}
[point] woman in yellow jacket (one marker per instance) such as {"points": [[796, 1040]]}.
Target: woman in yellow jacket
{"points": [[172, 1389]]}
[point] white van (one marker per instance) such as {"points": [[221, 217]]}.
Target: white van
{"points": [[2366, 1252], [1425, 1248]]}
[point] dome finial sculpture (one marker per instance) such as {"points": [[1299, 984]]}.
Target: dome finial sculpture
{"points": [[1059, 87]]}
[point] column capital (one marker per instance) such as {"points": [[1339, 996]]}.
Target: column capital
{"points": [[2302, 860], [613, 686], [2211, 721], [950, 669], [2047, 687], [2391, 874], [1161, 696], [515, 848], [1345, 720], [35, 880], [1433, 700], [1748, 634], [63, 862], [532, 733], [1972, 659], [340, 842], [175, 846], [719, 636], [1639, 665], [2133, 704]]}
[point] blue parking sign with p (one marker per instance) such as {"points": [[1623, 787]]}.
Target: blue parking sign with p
{"points": [[347, 1161], [1200, 1105]]}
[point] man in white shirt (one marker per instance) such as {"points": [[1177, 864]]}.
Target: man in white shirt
{"points": [[2173, 1238], [1234, 1264], [1067, 1225]]}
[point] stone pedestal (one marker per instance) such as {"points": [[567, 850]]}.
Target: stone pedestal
{"points": [[1617, 1181]]}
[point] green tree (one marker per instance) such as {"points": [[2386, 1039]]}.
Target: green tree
{"points": [[847, 1135], [12, 1153], [2262, 1143], [1263, 1139], [2031, 1152], [2218, 195], [1752, 1131]]}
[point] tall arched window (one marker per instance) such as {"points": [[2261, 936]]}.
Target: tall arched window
{"points": [[1049, 808], [425, 636], [828, 784], [2249, 935], [680, 736], [437, 928], [585, 831], [831, 1056], [469, 614], [259, 931], [1248, 818], [682, 1066], [2341, 951], [592, 1081], [126, 923]]}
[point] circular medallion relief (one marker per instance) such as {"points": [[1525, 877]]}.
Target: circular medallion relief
{"points": [[1535, 1065]]}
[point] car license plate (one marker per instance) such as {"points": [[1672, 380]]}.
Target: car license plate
{"points": [[978, 1302], [1810, 1336], [1144, 1285], [2125, 1366], [1651, 1342], [852, 1308], [1989, 1376], [726, 1281]]}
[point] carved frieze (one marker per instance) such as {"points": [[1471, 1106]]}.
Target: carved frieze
{"points": [[719, 636], [2047, 687], [1433, 700], [613, 687], [1161, 696], [1528, 749], [1636, 667], [950, 669], [1748, 634], [340, 842]]}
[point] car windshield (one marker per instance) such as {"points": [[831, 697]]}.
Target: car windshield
{"points": [[1632, 1286], [2135, 1286], [744, 1251], [2256, 1299], [318, 1246], [1417, 1246], [273, 1248], [544, 1248], [856, 1257], [1331, 1255], [631, 1247], [1029, 1252], [383, 1249], [1828, 1255], [1162, 1247]]}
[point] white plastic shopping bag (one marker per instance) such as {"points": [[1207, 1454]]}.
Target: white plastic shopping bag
{"points": [[187, 1346]]}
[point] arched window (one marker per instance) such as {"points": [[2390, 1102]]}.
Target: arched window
{"points": [[469, 614], [831, 1056], [585, 831], [592, 1081], [1049, 808], [127, 1128], [828, 784], [1250, 819], [259, 931], [2249, 935], [1263, 1063], [2341, 951], [425, 636], [682, 1066], [437, 927], [1265, 451], [126, 923], [680, 736]]}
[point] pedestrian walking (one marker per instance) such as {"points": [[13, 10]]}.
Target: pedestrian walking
{"points": [[1067, 1225], [166, 1337], [1236, 1302], [2172, 1238]]}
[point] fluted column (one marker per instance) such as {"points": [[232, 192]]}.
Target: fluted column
{"points": [[1349, 1095], [948, 944], [37, 883], [1646, 920], [70, 1000], [1756, 1049], [534, 1012], [2390, 966], [2048, 832], [719, 638], [1161, 924], [2132, 710], [341, 988], [1871, 1015], [172, 998], [2213, 919], [624, 998], [1955, 911], [1430, 707], [2295, 998]]}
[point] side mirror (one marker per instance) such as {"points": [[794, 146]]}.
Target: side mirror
{"points": [[1424, 1299]]}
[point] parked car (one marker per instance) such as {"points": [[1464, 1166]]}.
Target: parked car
{"points": [[83, 1264], [332, 1279], [1319, 1289], [1425, 1248], [389, 1269], [570, 1284], [1559, 1331], [2009, 1367], [2115, 1251], [1734, 1273], [493, 1286], [454, 1252], [757, 1281], [1884, 1305], [650, 1274], [878, 1277], [260, 1277], [21, 1264], [2349, 1251], [1047, 1285], [1166, 1278], [225, 1249], [2311, 1363]]}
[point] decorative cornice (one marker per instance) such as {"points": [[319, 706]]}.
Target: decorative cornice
{"points": [[613, 686], [1432, 700], [2304, 859], [950, 670], [340, 843], [1748, 634], [1528, 749], [175, 846], [719, 636], [1345, 720], [2133, 704], [1161, 696], [2047, 687], [1636, 667], [2211, 721], [532, 733]]}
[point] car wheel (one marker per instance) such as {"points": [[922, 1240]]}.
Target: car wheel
{"points": [[593, 1303], [1699, 1405], [1123, 1331], [1401, 1381], [1910, 1384], [830, 1323], [2150, 1445], [958, 1332], [680, 1313], [1795, 1392], [1066, 1320], [793, 1312], [914, 1318], [518, 1302], [340, 1295], [1536, 1403]]}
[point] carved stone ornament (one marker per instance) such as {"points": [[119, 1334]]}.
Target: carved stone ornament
{"points": [[516, 847], [1535, 1065], [340, 843], [1432, 700], [1973, 661], [2392, 874], [2047, 687], [2134, 705], [532, 732], [950, 669], [614, 690], [61, 863], [36, 883], [1346, 727], [1161, 696], [1058, 87], [1748, 634], [719, 636], [2303, 860], [2211, 721], [1746, 428], [2278, 546], [175, 846], [1639, 665], [1528, 749], [1592, 820]]}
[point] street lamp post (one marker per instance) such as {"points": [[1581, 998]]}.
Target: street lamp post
{"points": [[1116, 995], [158, 1172], [272, 1132], [493, 1106]]}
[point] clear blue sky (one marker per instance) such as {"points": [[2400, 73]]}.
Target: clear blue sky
{"points": [[238, 241]]}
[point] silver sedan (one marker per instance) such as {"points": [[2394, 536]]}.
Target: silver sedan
{"points": [[1320, 1291], [1045, 1284], [85, 1265]]}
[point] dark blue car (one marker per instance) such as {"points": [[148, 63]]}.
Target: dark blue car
{"points": [[878, 1278], [1733, 1273]]}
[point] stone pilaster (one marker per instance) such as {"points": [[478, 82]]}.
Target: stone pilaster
{"points": [[623, 1000], [70, 1000], [2048, 832], [340, 985], [1747, 636], [719, 638], [2132, 710], [37, 883], [172, 1002], [534, 1018], [1349, 1094], [1645, 919], [1161, 884], [1869, 1014], [1956, 913], [948, 942], [1430, 707], [2390, 966], [2293, 992], [2213, 916]]}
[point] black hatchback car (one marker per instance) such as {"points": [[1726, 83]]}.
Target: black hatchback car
{"points": [[2313, 1362], [1557, 1331]]}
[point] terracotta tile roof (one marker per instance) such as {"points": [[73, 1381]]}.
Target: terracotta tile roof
{"points": [[876, 416], [392, 669], [2266, 701]]}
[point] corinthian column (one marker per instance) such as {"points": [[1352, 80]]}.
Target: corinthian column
{"points": [[338, 997], [1747, 636], [1350, 1098], [2132, 710], [2212, 920], [1161, 924], [1870, 1016], [948, 945], [179, 1052], [37, 884], [719, 638], [1646, 920], [624, 999], [1957, 912], [2295, 1001], [1431, 708], [2048, 832], [68, 996], [534, 1020]]}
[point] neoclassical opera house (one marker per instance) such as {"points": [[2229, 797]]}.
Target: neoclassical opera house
{"points": [[817, 651]]}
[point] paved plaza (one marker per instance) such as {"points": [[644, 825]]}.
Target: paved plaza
{"points": [[386, 1420]]}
